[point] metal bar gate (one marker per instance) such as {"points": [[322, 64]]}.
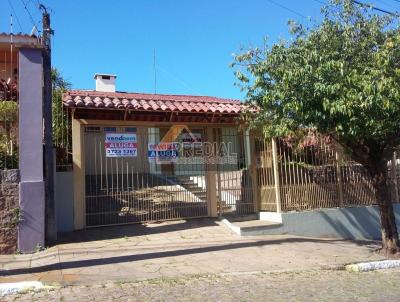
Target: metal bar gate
{"points": [[136, 188], [234, 181]]}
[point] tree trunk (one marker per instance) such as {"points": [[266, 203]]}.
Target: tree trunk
{"points": [[390, 238]]}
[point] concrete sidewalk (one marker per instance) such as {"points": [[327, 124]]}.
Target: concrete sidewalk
{"points": [[175, 249]]}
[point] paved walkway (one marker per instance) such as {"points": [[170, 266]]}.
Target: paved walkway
{"points": [[175, 249]]}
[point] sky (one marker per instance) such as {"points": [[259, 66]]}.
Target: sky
{"points": [[193, 42]]}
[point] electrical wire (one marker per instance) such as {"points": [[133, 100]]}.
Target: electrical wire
{"points": [[287, 8], [25, 4], [376, 8], [15, 14]]}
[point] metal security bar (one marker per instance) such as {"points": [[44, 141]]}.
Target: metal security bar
{"points": [[316, 174], [234, 191], [134, 189], [266, 176]]}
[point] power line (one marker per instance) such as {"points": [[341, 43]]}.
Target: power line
{"points": [[320, 2], [155, 71], [376, 8], [25, 4], [287, 8], [15, 14]]}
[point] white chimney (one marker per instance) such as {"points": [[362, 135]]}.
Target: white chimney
{"points": [[105, 82]]}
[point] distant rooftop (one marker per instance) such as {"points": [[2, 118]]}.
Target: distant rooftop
{"points": [[19, 40]]}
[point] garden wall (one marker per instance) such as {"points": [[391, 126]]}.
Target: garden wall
{"points": [[9, 211]]}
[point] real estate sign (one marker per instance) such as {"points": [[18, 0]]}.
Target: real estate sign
{"points": [[163, 152], [121, 145]]}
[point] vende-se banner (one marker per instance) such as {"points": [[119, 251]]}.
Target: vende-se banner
{"points": [[121, 145]]}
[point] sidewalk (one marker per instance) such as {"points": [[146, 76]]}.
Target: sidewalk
{"points": [[175, 249]]}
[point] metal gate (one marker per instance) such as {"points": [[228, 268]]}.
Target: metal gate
{"points": [[235, 190], [140, 188]]}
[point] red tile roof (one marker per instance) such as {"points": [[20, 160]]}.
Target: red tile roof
{"points": [[150, 102]]}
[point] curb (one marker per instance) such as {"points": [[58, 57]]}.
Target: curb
{"points": [[374, 265], [16, 287]]}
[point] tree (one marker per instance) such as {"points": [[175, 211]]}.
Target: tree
{"points": [[340, 77]]}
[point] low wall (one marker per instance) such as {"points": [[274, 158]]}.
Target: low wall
{"points": [[360, 223], [9, 211], [64, 197]]}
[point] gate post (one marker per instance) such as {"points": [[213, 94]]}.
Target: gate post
{"points": [[338, 157], [253, 173], [211, 176], [78, 173], [276, 175]]}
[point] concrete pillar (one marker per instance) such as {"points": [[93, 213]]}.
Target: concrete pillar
{"points": [[211, 177], [276, 175], [31, 230], [78, 159]]}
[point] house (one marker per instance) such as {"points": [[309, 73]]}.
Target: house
{"points": [[152, 157], [139, 158]]}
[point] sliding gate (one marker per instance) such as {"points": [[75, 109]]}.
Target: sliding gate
{"points": [[126, 183]]}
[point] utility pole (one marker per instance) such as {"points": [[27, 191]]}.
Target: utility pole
{"points": [[50, 209], [155, 71]]}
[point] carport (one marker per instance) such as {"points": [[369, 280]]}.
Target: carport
{"points": [[154, 157]]}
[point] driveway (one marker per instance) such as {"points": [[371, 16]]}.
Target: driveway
{"points": [[176, 249]]}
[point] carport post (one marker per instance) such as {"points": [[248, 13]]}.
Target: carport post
{"points": [[276, 175], [78, 170], [250, 139], [211, 177]]}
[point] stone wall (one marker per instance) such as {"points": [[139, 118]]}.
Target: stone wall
{"points": [[9, 211]]}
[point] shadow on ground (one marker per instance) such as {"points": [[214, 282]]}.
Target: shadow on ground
{"points": [[121, 231], [164, 254]]}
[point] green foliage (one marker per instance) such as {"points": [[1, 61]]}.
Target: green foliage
{"points": [[8, 134], [340, 77], [15, 220], [7, 160], [60, 128], [8, 111]]}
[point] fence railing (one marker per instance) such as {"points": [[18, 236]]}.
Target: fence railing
{"points": [[8, 134], [318, 175], [62, 133]]}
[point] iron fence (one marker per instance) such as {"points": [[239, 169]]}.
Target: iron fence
{"points": [[62, 133], [318, 175]]}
